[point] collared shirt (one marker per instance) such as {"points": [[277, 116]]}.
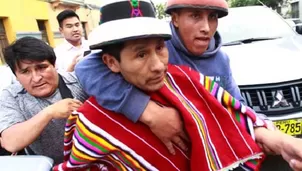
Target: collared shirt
{"points": [[17, 105], [66, 52]]}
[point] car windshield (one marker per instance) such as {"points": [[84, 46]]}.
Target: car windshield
{"points": [[255, 22]]}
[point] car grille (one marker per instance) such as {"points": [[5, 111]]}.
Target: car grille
{"points": [[266, 98]]}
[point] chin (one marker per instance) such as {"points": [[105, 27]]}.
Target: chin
{"points": [[42, 94], [156, 87], [198, 51]]}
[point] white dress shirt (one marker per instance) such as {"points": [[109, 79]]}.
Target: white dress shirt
{"points": [[66, 52], [6, 77]]}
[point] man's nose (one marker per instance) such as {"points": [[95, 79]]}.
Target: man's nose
{"points": [[157, 64], [36, 77], [204, 25], [76, 28]]}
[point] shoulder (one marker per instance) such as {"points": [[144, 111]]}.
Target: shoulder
{"points": [[12, 109], [13, 90], [11, 97], [183, 71], [73, 84], [61, 48], [69, 77], [58, 48], [59, 51], [85, 44], [223, 56]]}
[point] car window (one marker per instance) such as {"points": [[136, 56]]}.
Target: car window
{"points": [[252, 22], [297, 21]]}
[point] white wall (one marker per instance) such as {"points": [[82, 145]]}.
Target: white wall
{"points": [[300, 9]]}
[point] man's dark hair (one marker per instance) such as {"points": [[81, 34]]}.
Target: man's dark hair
{"points": [[28, 48], [66, 14], [113, 50]]}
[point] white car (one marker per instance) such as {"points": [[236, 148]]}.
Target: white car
{"points": [[266, 61], [26, 163]]}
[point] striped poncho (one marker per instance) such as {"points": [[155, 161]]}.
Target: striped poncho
{"points": [[220, 129]]}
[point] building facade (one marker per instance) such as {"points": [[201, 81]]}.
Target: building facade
{"points": [[37, 18], [296, 8]]}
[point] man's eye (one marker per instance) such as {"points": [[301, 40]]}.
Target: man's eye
{"points": [[141, 55], [159, 48], [24, 72], [195, 16], [213, 16], [42, 67]]}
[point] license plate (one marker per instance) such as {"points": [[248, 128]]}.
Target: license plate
{"points": [[290, 127]]}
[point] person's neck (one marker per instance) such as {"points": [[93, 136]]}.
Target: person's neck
{"points": [[75, 43]]}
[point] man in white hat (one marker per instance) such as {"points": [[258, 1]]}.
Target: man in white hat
{"points": [[195, 43], [219, 141]]}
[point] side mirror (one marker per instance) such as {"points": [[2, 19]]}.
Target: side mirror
{"points": [[299, 28]]}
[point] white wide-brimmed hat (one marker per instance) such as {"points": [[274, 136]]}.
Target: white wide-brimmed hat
{"points": [[123, 20]]}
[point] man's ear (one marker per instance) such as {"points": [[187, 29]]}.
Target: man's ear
{"points": [[175, 19], [111, 63], [61, 30]]}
